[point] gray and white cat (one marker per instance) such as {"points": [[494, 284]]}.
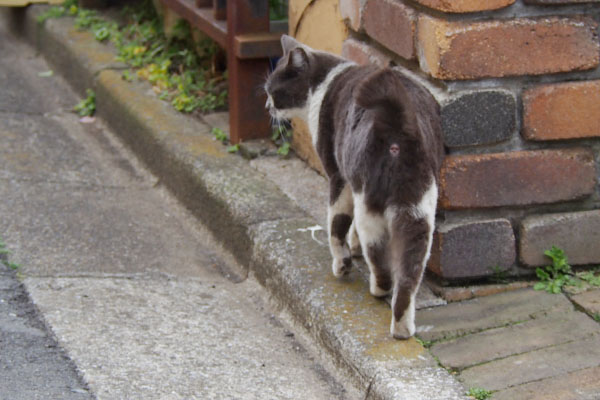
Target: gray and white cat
{"points": [[378, 135]]}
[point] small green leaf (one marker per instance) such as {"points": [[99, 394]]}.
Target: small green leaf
{"points": [[479, 393], [219, 134], [233, 148], [284, 149], [46, 74], [102, 33], [13, 266], [542, 274], [539, 286], [87, 106]]}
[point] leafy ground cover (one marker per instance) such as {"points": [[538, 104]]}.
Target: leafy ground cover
{"points": [[559, 275], [187, 73], [181, 70]]}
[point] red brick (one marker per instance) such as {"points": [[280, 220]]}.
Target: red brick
{"points": [[363, 54], [351, 10], [562, 111], [465, 6], [392, 24], [516, 178], [524, 46], [560, 1], [472, 250], [577, 233]]}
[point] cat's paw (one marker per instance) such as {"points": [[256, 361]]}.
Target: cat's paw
{"points": [[341, 267], [403, 329], [375, 290]]}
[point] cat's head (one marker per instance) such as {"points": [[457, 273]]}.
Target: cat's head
{"points": [[298, 71]]}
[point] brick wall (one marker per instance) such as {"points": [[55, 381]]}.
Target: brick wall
{"points": [[519, 86]]}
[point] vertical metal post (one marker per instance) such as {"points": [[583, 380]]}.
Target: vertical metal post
{"points": [[247, 116]]}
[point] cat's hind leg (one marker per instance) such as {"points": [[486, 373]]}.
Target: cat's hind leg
{"points": [[339, 220], [354, 241], [373, 235], [410, 245]]}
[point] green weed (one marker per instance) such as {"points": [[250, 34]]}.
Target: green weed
{"points": [[425, 343], [282, 136], [222, 137], [69, 7], [499, 275], [234, 148], [4, 253], [180, 71], [590, 277], [479, 393], [219, 135], [87, 106], [558, 275]]}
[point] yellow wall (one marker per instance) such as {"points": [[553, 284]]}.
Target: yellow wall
{"points": [[319, 24]]}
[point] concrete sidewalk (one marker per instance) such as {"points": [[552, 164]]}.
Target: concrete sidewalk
{"points": [[142, 300], [521, 344]]}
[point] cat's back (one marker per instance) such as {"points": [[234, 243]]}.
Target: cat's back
{"points": [[388, 130], [399, 107]]}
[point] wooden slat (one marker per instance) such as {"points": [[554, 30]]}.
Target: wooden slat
{"points": [[258, 45], [249, 45], [247, 116], [220, 9], [201, 18], [21, 3]]}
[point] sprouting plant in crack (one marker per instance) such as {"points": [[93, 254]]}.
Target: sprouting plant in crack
{"points": [[479, 393], [4, 253], [553, 277], [499, 275], [219, 135], [282, 136], [425, 343], [87, 106], [560, 274]]}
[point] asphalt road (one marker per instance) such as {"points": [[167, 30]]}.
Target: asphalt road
{"points": [[32, 364]]}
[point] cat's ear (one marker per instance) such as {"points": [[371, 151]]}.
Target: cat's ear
{"points": [[298, 58], [288, 44]]}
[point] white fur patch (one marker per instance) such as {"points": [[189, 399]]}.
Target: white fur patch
{"points": [[315, 99], [427, 204], [426, 209], [371, 227]]}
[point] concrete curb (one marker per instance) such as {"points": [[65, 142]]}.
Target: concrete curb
{"points": [[250, 215]]}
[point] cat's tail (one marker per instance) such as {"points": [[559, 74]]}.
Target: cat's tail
{"points": [[385, 93]]}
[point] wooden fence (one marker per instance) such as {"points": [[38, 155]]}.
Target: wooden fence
{"points": [[242, 28]]}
